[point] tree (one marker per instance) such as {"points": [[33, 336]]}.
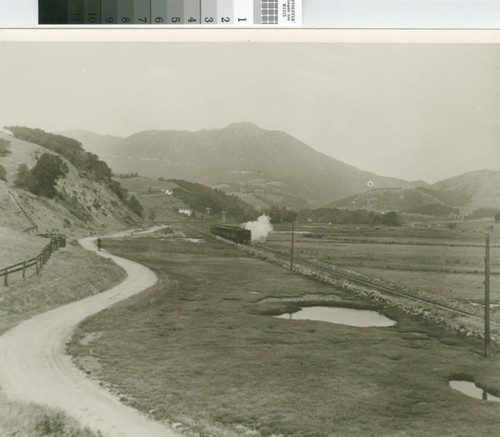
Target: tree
{"points": [[4, 147], [152, 214], [42, 178], [391, 219], [135, 206], [497, 217], [3, 173]]}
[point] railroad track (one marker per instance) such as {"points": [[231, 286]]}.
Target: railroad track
{"points": [[375, 286]]}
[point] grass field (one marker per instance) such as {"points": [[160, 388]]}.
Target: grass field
{"points": [[16, 246], [201, 348], [71, 274], [30, 420]]}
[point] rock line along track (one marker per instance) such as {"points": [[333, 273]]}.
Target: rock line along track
{"points": [[385, 289]]}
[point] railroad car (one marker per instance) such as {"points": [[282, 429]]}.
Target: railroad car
{"points": [[232, 232]]}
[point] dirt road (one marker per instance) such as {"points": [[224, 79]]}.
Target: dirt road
{"points": [[35, 368]]}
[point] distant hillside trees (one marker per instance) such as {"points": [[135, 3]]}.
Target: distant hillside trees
{"points": [[201, 198], [483, 213], [281, 215], [88, 164], [434, 209], [390, 219], [4, 147], [349, 216], [42, 178]]}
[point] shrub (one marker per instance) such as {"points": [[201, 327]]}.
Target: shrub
{"points": [[23, 175], [4, 147]]}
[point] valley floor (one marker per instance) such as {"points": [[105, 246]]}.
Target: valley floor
{"points": [[201, 350]]}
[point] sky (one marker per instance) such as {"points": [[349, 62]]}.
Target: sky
{"points": [[412, 111]]}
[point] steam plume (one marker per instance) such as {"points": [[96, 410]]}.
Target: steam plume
{"points": [[259, 228]]}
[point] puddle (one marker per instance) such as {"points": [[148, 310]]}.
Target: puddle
{"points": [[341, 316], [470, 389]]}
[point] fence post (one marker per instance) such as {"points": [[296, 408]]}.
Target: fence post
{"points": [[36, 264], [24, 269], [6, 281]]}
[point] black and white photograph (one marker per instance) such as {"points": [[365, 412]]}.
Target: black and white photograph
{"points": [[243, 233]]}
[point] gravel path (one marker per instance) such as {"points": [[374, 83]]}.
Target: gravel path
{"points": [[35, 368]]}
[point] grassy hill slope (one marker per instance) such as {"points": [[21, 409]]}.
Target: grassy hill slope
{"points": [[164, 198], [83, 202]]}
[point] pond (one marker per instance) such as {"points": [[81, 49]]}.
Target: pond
{"points": [[341, 316], [470, 389]]}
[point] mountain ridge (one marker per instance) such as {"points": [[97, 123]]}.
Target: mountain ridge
{"points": [[246, 158]]}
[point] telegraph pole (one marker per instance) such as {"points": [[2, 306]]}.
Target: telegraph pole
{"points": [[291, 250], [487, 296]]}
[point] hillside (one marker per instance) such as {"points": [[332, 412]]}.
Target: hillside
{"points": [[461, 194], [261, 166], [393, 199], [163, 199], [472, 190], [82, 203]]}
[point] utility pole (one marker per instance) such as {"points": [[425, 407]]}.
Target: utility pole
{"points": [[291, 250], [487, 296]]}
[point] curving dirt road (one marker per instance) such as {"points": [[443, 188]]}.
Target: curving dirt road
{"points": [[35, 368]]}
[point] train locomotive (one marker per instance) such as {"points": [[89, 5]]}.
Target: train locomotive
{"points": [[232, 232]]}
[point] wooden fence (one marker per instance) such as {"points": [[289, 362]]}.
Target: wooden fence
{"points": [[56, 241]]}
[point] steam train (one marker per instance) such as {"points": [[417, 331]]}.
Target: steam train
{"points": [[232, 232]]}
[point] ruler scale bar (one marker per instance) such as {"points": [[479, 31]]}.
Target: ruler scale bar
{"points": [[175, 11], [125, 12], [169, 12], [158, 11], [142, 12], [74, 12], [192, 12], [109, 11], [208, 12], [224, 12], [92, 12]]}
